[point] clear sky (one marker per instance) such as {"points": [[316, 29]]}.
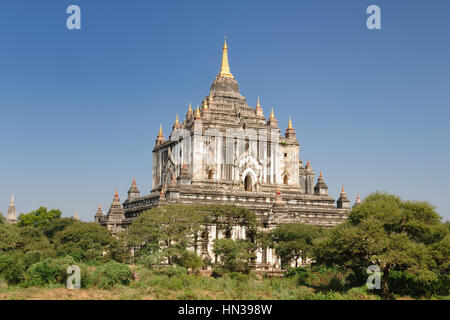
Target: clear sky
{"points": [[80, 109]]}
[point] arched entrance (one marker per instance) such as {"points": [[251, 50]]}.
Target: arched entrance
{"points": [[248, 183]]}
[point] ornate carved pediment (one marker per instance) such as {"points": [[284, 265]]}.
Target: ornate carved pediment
{"points": [[247, 163]]}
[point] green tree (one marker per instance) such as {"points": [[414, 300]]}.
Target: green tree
{"points": [[234, 255], [294, 241], [55, 226], [39, 217], [84, 241], [391, 233], [24, 239], [169, 229], [225, 217], [2, 218], [9, 237]]}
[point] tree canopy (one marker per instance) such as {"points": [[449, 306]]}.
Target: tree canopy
{"points": [[39, 217], [390, 233], [294, 241]]}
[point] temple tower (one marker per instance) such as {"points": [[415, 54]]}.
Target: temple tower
{"points": [[11, 217], [343, 202], [133, 192]]}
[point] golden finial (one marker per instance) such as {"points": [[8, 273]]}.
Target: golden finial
{"points": [[258, 105], [197, 112], [77, 216], [160, 133], [342, 191], [272, 116], [176, 119], [190, 107], [321, 175], [99, 207], [290, 123], [225, 67], [205, 106]]}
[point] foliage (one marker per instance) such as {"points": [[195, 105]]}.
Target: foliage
{"points": [[391, 233], [50, 271], [174, 228], [293, 241], [2, 218], [234, 255], [225, 217], [112, 274], [169, 229], [23, 239], [38, 218], [84, 241], [55, 226], [12, 267], [191, 261], [9, 237]]}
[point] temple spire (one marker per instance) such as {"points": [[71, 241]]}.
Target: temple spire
{"points": [[258, 109], [225, 67], [290, 123], [11, 217]]}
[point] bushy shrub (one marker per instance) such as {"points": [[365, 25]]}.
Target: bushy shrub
{"points": [[12, 268], [190, 260], [152, 260], [112, 274], [32, 257], [50, 271], [359, 293], [173, 271], [302, 275], [404, 283]]}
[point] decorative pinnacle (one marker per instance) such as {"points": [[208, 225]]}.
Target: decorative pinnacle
{"points": [[290, 123], [308, 164], [205, 106], [176, 119], [134, 181], [197, 112], [12, 199], [117, 194], [162, 190], [160, 133], [321, 175], [342, 191], [258, 105], [190, 107], [272, 116], [225, 67], [99, 207], [278, 192], [358, 199]]}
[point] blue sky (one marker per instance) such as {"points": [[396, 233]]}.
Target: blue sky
{"points": [[80, 109]]}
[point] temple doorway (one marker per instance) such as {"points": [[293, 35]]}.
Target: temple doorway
{"points": [[248, 183]]}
